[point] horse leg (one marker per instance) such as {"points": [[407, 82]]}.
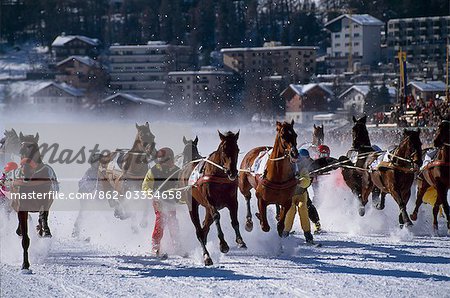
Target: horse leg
{"points": [[224, 248], [245, 190], [262, 215], [435, 221], [193, 213], [19, 230], [363, 199], [422, 187], [280, 224], [43, 220], [23, 217], [446, 211], [404, 201], [378, 198], [233, 208]]}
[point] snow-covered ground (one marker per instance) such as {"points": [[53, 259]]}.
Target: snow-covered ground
{"points": [[361, 256]]}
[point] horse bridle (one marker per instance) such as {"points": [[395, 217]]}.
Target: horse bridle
{"points": [[411, 156], [285, 150]]}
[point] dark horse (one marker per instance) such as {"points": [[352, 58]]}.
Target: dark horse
{"points": [[396, 176], [38, 180], [215, 189], [437, 174], [357, 176], [123, 171], [278, 183]]}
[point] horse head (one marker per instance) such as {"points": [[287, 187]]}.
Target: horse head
{"points": [[190, 151], [443, 132], [10, 142], [413, 150], [318, 135], [229, 152], [360, 134], [288, 138], [145, 140], [29, 147]]}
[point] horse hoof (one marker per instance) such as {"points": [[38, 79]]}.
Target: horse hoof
{"points": [[26, 271], [413, 216], [47, 235], [224, 248], [265, 228], [362, 211], [408, 224], [208, 261], [379, 206], [241, 244], [19, 233], [258, 216], [249, 226]]}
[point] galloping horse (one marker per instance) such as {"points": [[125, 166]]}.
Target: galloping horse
{"points": [[437, 174], [278, 183], [215, 189], [357, 177], [33, 189], [132, 165], [396, 176]]}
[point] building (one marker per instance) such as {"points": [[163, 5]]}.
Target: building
{"points": [[81, 72], [354, 98], [426, 90], [296, 64], [358, 34], [142, 70], [68, 45], [207, 87], [124, 104], [423, 40], [58, 97], [303, 102]]}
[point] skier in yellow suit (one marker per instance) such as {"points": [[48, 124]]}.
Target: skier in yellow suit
{"points": [[300, 199]]}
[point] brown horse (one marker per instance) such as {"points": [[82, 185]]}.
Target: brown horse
{"points": [[132, 165], [397, 175], [355, 173], [318, 135], [32, 192], [190, 151], [437, 174], [214, 190], [278, 183]]}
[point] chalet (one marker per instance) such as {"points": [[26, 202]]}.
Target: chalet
{"points": [[67, 45], [305, 101], [124, 104], [354, 98], [81, 72], [426, 90], [58, 97]]}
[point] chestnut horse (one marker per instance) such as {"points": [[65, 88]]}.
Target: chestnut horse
{"points": [[278, 183], [355, 173], [396, 176], [215, 189], [33, 189], [437, 174], [132, 165]]}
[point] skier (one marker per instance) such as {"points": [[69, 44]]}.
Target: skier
{"points": [[158, 182], [300, 198]]}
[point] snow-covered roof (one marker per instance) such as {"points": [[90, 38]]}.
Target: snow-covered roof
{"points": [[83, 59], [63, 87], [361, 19], [276, 48], [303, 89], [364, 90], [135, 99], [429, 86], [60, 41]]}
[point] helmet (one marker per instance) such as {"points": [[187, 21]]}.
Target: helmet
{"points": [[164, 154], [324, 151], [10, 166], [303, 153]]}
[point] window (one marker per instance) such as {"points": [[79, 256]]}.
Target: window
{"points": [[347, 35], [337, 36], [337, 45], [356, 35], [356, 43]]}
